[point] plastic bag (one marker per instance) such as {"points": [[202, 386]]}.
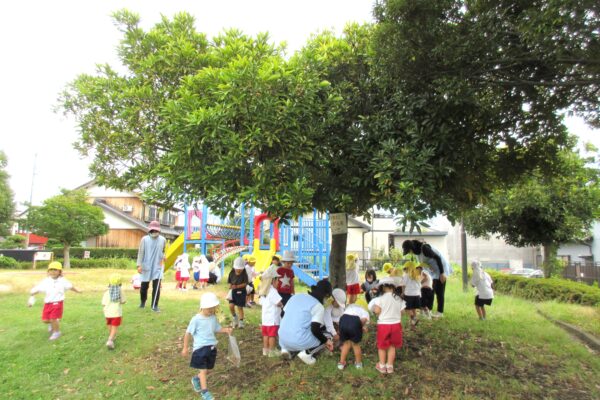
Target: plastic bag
{"points": [[233, 351], [229, 295]]}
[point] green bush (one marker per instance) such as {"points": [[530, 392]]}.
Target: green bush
{"points": [[119, 263], [8, 262], [543, 289], [97, 252]]}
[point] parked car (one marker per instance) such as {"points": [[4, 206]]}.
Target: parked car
{"points": [[528, 273]]}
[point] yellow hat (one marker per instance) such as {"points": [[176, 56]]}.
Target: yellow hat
{"points": [[387, 267], [245, 257], [115, 279], [351, 257], [277, 256], [55, 265], [251, 259]]}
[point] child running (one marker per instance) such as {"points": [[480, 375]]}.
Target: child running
{"points": [[113, 310], [271, 304], [352, 325], [388, 308], [483, 283], [54, 286], [237, 280], [411, 283], [352, 283], [202, 329]]}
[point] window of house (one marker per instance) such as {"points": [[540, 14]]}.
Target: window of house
{"points": [[152, 213]]}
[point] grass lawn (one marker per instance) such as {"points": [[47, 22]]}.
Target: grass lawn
{"points": [[515, 354]]}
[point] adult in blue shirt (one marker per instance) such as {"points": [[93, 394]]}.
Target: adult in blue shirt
{"points": [[302, 328], [150, 264]]}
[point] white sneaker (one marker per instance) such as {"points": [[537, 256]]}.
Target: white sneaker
{"points": [[241, 323], [234, 324], [437, 315], [110, 344], [307, 358], [265, 352], [54, 336], [285, 354]]}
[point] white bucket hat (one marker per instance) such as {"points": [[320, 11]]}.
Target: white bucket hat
{"points": [[388, 280], [288, 256], [239, 263], [209, 300], [339, 296]]}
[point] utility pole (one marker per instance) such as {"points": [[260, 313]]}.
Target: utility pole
{"points": [[31, 196]]}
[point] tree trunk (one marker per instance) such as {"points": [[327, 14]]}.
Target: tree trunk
{"points": [[463, 247], [66, 256], [337, 258], [549, 256]]}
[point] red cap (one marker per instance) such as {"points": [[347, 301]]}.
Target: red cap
{"points": [[154, 226]]}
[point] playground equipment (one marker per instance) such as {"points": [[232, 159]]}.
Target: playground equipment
{"points": [[308, 238]]}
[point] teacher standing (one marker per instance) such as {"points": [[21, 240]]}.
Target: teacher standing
{"points": [[150, 264]]}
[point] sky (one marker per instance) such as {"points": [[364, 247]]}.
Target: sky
{"points": [[46, 44]]}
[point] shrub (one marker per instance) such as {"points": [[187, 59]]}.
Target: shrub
{"points": [[8, 262], [118, 263], [97, 252], [547, 289]]}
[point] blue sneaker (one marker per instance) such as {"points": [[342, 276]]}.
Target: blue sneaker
{"points": [[196, 384], [207, 396]]}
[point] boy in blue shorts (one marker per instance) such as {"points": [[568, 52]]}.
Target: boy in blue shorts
{"points": [[202, 329]]}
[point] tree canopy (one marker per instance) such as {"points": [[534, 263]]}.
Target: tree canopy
{"points": [[7, 204], [68, 218]]}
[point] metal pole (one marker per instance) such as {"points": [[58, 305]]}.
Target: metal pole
{"points": [[463, 245]]}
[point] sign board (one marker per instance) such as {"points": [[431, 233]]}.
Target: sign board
{"points": [[43, 256], [86, 254], [338, 224]]}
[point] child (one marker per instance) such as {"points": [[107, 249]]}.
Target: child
{"points": [[388, 308], [333, 313], [136, 281], [196, 262], [251, 272], [177, 268], [202, 329], [271, 304], [369, 286], [285, 284], [214, 271], [352, 325], [204, 271], [411, 283], [352, 283], [184, 271], [237, 280], [426, 292], [54, 286], [113, 311], [483, 283]]}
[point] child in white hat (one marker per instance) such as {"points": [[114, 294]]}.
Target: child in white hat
{"points": [[271, 304], [388, 308], [333, 313], [238, 280], [201, 330], [285, 284], [112, 301]]}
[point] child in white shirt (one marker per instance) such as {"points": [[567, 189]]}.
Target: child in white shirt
{"points": [[426, 292], [411, 284], [54, 286], [352, 325], [352, 282], [388, 308], [483, 283], [196, 262], [204, 271], [271, 304], [333, 313], [184, 271], [112, 301]]}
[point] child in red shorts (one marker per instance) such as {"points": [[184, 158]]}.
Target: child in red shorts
{"points": [[271, 304], [388, 308], [113, 311], [352, 283], [54, 286]]}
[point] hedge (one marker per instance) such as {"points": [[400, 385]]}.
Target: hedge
{"points": [[97, 252], [119, 263], [542, 289], [8, 262]]}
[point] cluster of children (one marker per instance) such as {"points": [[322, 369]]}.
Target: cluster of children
{"points": [[345, 321], [203, 271]]}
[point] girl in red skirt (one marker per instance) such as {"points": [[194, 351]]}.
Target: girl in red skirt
{"points": [[352, 283]]}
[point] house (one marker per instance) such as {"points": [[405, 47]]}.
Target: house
{"points": [[584, 252], [127, 217]]}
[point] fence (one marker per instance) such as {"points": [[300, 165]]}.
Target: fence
{"points": [[587, 273]]}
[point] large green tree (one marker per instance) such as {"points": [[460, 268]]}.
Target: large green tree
{"points": [[7, 204], [68, 218], [543, 210]]}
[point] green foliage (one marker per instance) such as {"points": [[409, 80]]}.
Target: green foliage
{"points": [[118, 263], [7, 204], [13, 242], [546, 289], [8, 262], [98, 252]]}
